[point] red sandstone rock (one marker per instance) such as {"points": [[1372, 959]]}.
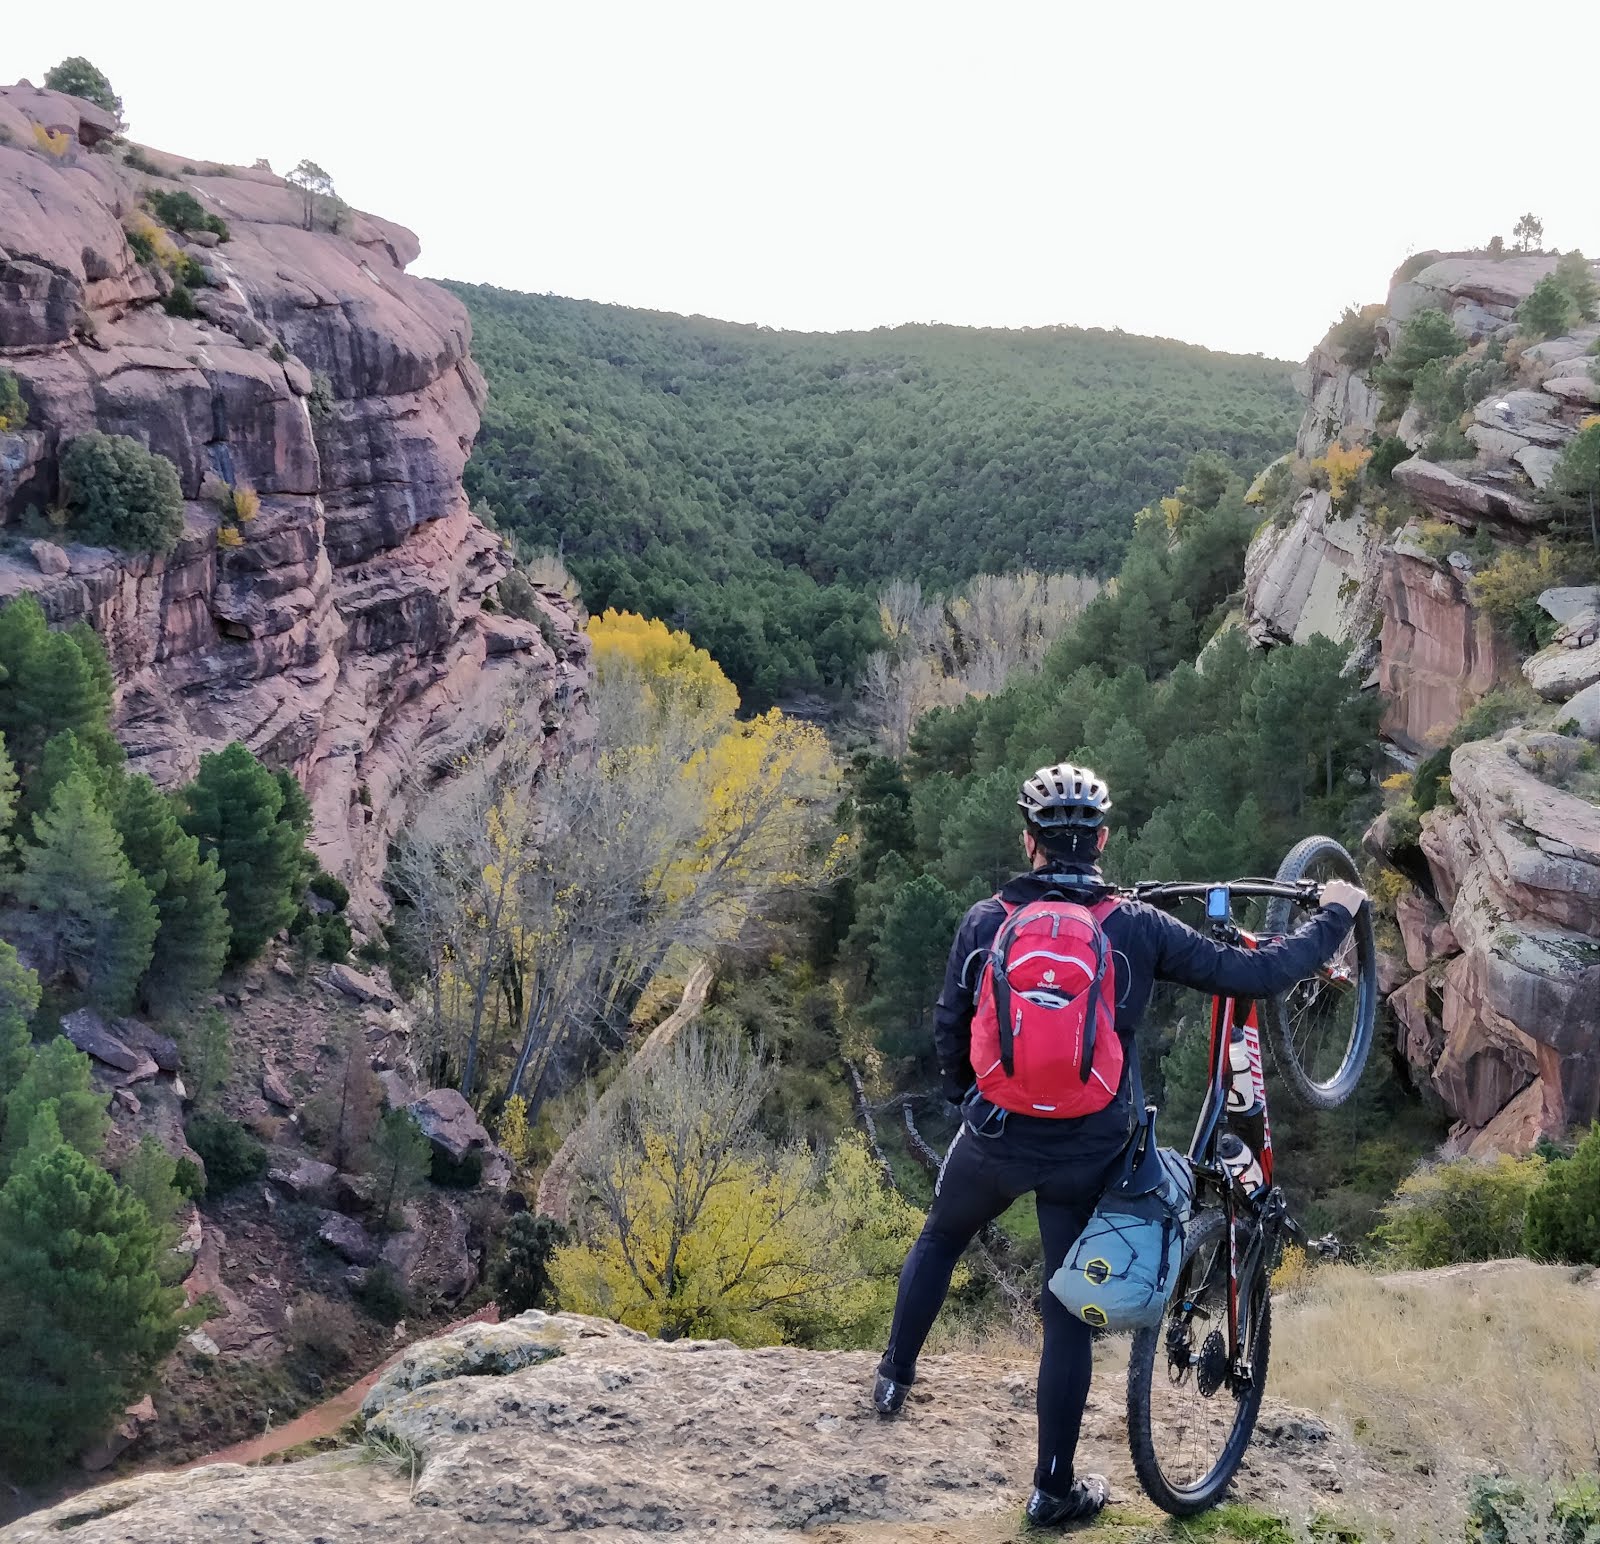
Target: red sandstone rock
{"points": [[1438, 655], [345, 637]]}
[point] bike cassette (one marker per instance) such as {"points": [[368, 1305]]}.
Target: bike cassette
{"points": [[1211, 1366]]}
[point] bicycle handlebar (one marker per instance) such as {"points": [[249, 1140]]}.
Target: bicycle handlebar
{"points": [[1162, 890]]}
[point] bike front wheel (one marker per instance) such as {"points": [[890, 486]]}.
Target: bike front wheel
{"points": [[1191, 1413], [1321, 1028]]}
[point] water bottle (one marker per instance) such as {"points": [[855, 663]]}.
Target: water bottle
{"points": [[1242, 1098], [1239, 1161]]}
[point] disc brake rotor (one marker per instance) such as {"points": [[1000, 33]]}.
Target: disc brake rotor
{"points": [[1212, 1366]]}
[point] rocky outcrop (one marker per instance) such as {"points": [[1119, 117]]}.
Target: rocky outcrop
{"points": [[1318, 574], [561, 1426], [1501, 1017], [342, 631], [1437, 654]]}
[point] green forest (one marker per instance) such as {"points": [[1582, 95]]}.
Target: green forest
{"points": [[754, 487]]}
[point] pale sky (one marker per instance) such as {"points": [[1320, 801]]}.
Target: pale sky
{"points": [[1224, 172]]}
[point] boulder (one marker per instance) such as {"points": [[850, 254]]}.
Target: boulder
{"points": [[1559, 672], [135, 1419], [303, 1178], [348, 1239], [1531, 415], [1583, 711], [1574, 388], [450, 1123], [50, 558], [1463, 499], [274, 1090], [88, 1031], [397, 1090], [139, 1036], [362, 988], [1539, 462], [1416, 1007], [1567, 603]]}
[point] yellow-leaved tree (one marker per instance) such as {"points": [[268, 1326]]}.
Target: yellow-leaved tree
{"points": [[544, 901], [696, 1227]]}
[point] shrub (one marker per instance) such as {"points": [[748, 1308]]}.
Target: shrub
{"points": [[54, 142], [188, 1179], [1426, 786], [1448, 444], [1507, 591], [521, 1275], [135, 158], [516, 596], [1412, 266], [330, 888], [320, 403], [118, 494], [180, 302], [1575, 276], [228, 537], [231, 1155], [13, 410], [1549, 311], [1506, 1510], [323, 1332], [1462, 1209], [1563, 1220], [182, 211], [463, 1175], [383, 1295], [1355, 335], [1341, 468], [1387, 454], [334, 939]]}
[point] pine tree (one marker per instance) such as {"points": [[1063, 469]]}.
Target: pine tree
{"points": [[398, 1158], [47, 685], [912, 946], [207, 1056], [147, 1175], [19, 997], [58, 1076], [8, 800], [235, 806], [93, 914], [84, 1318], [192, 943], [64, 753]]}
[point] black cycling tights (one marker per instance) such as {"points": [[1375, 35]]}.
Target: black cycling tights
{"points": [[981, 1177]]}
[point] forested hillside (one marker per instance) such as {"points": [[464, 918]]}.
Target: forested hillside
{"points": [[754, 486]]}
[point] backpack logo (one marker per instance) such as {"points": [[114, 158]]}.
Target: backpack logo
{"points": [[1044, 1038]]}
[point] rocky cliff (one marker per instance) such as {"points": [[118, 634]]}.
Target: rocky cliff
{"points": [[346, 635], [1495, 983], [564, 1426]]}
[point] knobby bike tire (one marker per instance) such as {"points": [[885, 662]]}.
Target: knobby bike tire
{"points": [[1148, 1360], [1323, 1093]]}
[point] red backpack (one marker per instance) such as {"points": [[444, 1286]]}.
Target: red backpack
{"points": [[1044, 1038]]}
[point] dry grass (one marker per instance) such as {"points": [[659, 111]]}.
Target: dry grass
{"points": [[1469, 1369]]}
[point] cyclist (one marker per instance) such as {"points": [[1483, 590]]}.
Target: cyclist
{"points": [[998, 1155]]}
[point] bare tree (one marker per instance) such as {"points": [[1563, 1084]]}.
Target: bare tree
{"points": [[940, 652], [544, 901]]}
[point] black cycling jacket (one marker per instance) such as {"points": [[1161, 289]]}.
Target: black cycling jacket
{"points": [[1148, 946]]}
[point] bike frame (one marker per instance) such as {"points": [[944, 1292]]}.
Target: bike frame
{"points": [[1267, 1205]]}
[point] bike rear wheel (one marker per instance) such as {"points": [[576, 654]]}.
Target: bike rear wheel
{"points": [[1190, 1418], [1321, 1028]]}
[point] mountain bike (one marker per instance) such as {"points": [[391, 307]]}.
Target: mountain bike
{"points": [[1195, 1381]]}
